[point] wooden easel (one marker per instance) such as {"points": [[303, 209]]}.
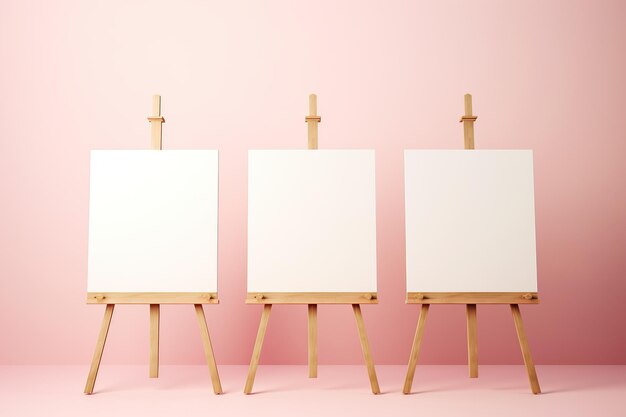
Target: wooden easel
{"points": [[153, 299], [470, 300], [312, 300]]}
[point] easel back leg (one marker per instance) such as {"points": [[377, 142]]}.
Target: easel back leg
{"points": [[312, 310], [155, 310], [472, 341]]}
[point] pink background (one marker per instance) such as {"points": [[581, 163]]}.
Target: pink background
{"points": [[390, 75]]}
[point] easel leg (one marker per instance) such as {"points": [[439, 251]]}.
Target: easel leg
{"points": [[154, 340], [415, 349], [523, 343], [208, 349], [312, 340], [472, 341], [365, 346], [97, 355], [256, 354]]}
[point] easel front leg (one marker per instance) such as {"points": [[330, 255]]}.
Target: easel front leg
{"points": [[415, 349], [155, 310], [523, 343], [97, 355], [365, 346], [312, 340], [208, 349], [256, 354], [472, 341]]}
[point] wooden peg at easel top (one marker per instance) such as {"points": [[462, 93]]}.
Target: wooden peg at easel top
{"points": [[156, 122], [312, 120], [468, 123]]}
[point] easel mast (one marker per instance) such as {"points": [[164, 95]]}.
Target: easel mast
{"points": [[156, 124], [468, 123], [312, 120], [156, 136], [470, 309], [471, 300], [312, 299]]}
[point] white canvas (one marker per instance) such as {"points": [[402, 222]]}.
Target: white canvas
{"points": [[153, 221], [311, 221], [470, 221]]}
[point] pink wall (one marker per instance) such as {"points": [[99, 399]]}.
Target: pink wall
{"points": [[390, 75]]}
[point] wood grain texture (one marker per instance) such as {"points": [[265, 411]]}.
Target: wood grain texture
{"points": [[208, 349], [155, 318], [312, 298], [472, 298], [415, 349], [312, 339], [525, 347], [472, 341], [97, 355], [256, 353], [152, 298], [365, 347]]}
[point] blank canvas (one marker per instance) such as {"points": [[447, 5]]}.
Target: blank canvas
{"points": [[311, 221], [470, 221], [153, 221]]}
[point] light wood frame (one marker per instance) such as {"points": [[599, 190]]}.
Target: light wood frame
{"points": [[471, 299], [153, 299], [312, 299]]}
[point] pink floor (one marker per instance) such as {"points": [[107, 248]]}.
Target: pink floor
{"points": [[286, 390]]}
